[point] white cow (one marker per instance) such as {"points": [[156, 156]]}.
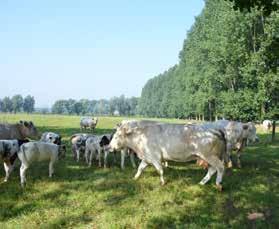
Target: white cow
{"points": [[88, 122], [157, 142], [267, 125], [39, 151], [237, 136]]}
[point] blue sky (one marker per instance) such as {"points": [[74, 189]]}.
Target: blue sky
{"points": [[88, 49]]}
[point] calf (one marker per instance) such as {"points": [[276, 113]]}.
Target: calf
{"points": [[78, 144], [39, 151], [51, 137], [8, 153]]}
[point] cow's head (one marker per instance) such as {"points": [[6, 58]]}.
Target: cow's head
{"points": [[52, 138], [28, 129], [119, 138], [249, 132], [104, 141], [61, 151]]}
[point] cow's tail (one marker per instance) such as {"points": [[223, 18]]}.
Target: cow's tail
{"points": [[224, 155]]}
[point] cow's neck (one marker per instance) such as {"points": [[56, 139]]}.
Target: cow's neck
{"points": [[134, 144]]}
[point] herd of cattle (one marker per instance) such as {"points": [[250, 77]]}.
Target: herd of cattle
{"points": [[210, 144]]}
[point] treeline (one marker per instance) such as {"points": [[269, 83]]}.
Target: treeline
{"points": [[17, 104], [114, 106], [228, 68]]}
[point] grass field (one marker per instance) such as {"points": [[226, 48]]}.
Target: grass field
{"points": [[82, 197]]}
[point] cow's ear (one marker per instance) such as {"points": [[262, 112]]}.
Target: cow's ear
{"points": [[245, 126], [31, 123]]}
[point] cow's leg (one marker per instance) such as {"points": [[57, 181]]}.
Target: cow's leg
{"points": [[123, 154], [99, 157], [114, 157], [74, 152], [132, 158], [106, 152], [86, 154], [23, 169], [91, 158], [8, 169], [78, 154], [141, 167], [215, 162], [50, 169], [159, 169], [165, 163], [238, 154], [210, 172]]}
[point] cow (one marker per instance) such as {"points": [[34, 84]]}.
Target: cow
{"points": [[78, 144], [39, 151], [238, 135], [8, 154], [51, 137], [20, 130], [159, 142], [267, 125], [87, 122]]}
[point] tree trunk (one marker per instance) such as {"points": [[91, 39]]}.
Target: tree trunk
{"points": [[273, 131], [210, 111]]}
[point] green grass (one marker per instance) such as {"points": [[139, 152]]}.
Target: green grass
{"points": [[82, 197]]}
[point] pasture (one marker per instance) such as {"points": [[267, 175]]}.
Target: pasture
{"points": [[82, 197]]}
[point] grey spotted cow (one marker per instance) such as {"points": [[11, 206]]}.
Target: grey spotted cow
{"points": [[8, 154]]}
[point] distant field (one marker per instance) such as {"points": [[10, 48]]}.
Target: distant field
{"points": [[82, 197]]}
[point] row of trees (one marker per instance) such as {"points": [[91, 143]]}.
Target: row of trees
{"points": [[228, 68], [17, 104], [115, 106]]}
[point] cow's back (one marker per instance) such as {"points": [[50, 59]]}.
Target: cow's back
{"points": [[38, 151], [9, 131], [179, 142]]}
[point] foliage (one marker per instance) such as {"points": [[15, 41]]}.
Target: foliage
{"points": [[228, 68], [124, 106]]}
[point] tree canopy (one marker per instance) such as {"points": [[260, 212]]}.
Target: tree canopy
{"points": [[228, 68]]}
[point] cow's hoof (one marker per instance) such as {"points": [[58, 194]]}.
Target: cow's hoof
{"points": [[219, 187], [239, 166], [162, 183]]}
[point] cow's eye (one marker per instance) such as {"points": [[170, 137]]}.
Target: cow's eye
{"points": [[50, 137]]}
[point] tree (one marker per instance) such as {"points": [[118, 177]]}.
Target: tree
{"points": [[7, 105], [17, 103], [28, 104], [268, 6]]}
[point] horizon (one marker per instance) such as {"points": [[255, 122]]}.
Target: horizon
{"points": [[92, 50]]}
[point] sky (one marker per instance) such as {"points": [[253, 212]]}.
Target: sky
{"points": [[89, 49]]}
